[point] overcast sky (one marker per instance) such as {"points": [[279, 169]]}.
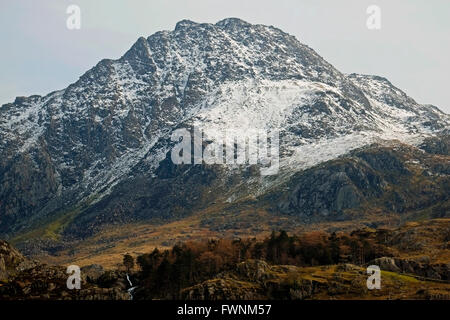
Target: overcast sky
{"points": [[39, 54]]}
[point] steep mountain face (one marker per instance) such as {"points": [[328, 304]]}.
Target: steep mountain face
{"points": [[98, 152]]}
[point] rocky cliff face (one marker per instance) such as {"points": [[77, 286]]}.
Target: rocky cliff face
{"points": [[97, 152]]}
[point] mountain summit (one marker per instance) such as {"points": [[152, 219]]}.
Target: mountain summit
{"points": [[97, 152]]}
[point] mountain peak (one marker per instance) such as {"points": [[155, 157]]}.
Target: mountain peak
{"points": [[138, 48], [185, 23], [232, 22]]}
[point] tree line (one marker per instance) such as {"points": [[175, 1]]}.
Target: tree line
{"points": [[163, 273]]}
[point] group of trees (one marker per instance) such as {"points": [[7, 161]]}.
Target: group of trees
{"points": [[165, 273]]}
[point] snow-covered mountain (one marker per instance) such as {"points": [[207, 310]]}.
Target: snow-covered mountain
{"points": [[77, 151]]}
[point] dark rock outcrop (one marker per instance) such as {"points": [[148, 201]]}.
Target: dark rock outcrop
{"points": [[22, 279], [12, 261]]}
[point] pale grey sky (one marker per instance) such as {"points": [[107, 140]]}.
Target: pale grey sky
{"points": [[39, 54]]}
